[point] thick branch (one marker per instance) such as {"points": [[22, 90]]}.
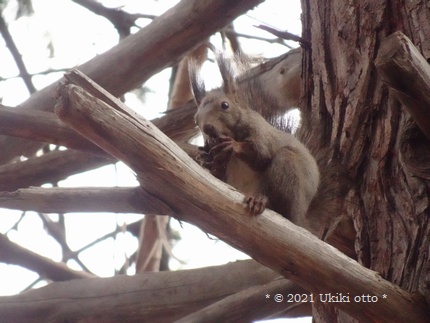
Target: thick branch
{"points": [[94, 199], [34, 171], [38, 125], [148, 297], [280, 76], [157, 46], [12, 253], [254, 303], [168, 173], [43, 127], [407, 73]]}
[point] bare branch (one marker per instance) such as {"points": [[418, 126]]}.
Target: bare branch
{"points": [[123, 21], [285, 35], [159, 45], [277, 40], [12, 253], [152, 240], [254, 303], [84, 199], [44, 127], [16, 55], [38, 125], [148, 297], [34, 171], [56, 231], [196, 197]]}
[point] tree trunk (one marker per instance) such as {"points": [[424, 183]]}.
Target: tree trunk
{"points": [[345, 98]]}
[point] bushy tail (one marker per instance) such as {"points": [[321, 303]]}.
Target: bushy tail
{"points": [[326, 209]]}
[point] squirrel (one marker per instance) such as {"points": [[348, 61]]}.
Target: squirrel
{"points": [[270, 166]]}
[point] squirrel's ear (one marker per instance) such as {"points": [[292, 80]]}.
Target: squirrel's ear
{"points": [[227, 72], [197, 84]]}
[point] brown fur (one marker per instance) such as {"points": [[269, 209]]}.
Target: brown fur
{"points": [[271, 167]]}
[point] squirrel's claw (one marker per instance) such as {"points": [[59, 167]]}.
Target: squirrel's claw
{"points": [[256, 204]]}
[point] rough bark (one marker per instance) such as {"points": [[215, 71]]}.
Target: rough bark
{"points": [[348, 105], [166, 172]]}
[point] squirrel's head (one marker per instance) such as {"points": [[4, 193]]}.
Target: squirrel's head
{"points": [[220, 111]]}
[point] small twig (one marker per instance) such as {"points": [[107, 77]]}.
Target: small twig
{"points": [[232, 36], [45, 72], [13, 253], [123, 21], [15, 226], [285, 35], [277, 40], [16, 55], [34, 283], [59, 235]]}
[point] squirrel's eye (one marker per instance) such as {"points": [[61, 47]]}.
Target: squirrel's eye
{"points": [[224, 105]]}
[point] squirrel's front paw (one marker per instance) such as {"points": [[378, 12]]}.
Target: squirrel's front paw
{"points": [[226, 146], [204, 158], [221, 153], [256, 204], [216, 164]]}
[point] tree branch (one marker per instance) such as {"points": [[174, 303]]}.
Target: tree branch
{"points": [[122, 21], [83, 199], [16, 55], [13, 253], [253, 304], [285, 35], [38, 125], [34, 171], [159, 45], [43, 127], [148, 297], [407, 74], [196, 197]]}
